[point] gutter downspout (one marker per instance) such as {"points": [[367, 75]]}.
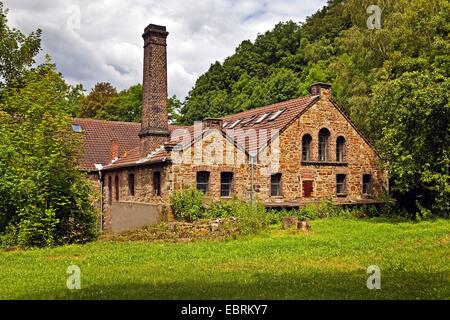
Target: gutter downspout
{"points": [[100, 179]]}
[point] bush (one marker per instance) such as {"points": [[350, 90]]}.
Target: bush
{"points": [[188, 204], [44, 198], [221, 209], [251, 219]]}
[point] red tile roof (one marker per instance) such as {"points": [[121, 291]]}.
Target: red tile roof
{"points": [[98, 136], [292, 109]]}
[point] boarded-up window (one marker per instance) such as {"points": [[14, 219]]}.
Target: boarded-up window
{"points": [[157, 183], [117, 187], [307, 188], [203, 181], [275, 185], [131, 183], [226, 181], [340, 184], [367, 184]]}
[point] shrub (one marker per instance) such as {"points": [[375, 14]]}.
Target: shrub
{"points": [[44, 198], [221, 209], [251, 218], [188, 204]]}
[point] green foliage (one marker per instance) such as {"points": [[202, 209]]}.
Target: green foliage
{"points": [[188, 204], [99, 102], [44, 198], [251, 218], [17, 51]]}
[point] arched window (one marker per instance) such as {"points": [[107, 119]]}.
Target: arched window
{"points": [[324, 134], [340, 149], [306, 147]]}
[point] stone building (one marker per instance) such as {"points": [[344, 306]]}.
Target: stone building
{"points": [[285, 154]]}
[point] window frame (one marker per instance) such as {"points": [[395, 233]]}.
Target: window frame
{"points": [[340, 149], [131, 184], [198, 183], [343, 183], [156, 176], [229, 184], [117, 188], [369, 184], [278, 184], [324, 133], [308, 149]]}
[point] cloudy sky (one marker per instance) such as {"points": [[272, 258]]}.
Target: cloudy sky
{"points": [[92, 41]]}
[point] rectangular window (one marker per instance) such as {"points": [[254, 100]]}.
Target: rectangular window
{"points": [[117, 187], [275, 185], [131, 184], [203, 181], [110, 190], [307, 188], [226, 182], [340, 184], [157, 183], [367, 184]]}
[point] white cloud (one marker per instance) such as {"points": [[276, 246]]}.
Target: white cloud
{"points": [[108, 44]]}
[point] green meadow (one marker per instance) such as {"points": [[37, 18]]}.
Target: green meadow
{"points": [[328, 262]]}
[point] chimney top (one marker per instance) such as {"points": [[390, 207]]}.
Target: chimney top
{"points": [[155, 30], [210, 123], [319, 88]]}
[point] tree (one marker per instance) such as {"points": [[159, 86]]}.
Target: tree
{"points": [[44, 198], [413, 114], [174, 106], [17, 51], [98, 101]]}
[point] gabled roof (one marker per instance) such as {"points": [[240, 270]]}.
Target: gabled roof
{"points": [[291, 109], [98, 136]]}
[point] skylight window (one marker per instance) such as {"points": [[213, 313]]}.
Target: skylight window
{"points": [[276, 114], [76, 128], [234, 124], [224, 124], [263, 117], [247, 121]]}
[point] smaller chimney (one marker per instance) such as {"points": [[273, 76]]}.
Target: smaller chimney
{"points": [[114, 149], [212, 123], [321, 89]]}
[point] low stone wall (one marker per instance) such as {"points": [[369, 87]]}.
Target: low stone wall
{"points": [[126, 216]]}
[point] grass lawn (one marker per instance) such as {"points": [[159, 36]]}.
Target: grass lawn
{"points": [[329, 262]]}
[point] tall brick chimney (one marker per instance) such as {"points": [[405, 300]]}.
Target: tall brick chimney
{"points": [[154, 124]]}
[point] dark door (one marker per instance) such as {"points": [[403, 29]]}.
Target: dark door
{"points": [[307, 188]]}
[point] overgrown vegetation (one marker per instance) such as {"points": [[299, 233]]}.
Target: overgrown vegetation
{"points": [[44, 198]]}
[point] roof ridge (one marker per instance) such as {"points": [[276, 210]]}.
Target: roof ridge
{"points": [[107, 121]]}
